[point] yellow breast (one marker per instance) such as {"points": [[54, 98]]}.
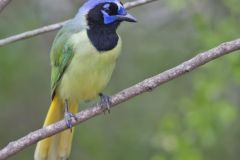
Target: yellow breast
{"points": [[89, 71]]}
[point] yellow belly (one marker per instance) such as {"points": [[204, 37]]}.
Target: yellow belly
{"points": [[89, 71]]}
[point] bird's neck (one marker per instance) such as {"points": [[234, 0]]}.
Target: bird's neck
{"points": [[103, 37]]}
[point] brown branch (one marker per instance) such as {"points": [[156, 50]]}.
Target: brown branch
{"points": [[144, 86], [56, 26], [3, 4], [136, 3], [31, 33]]}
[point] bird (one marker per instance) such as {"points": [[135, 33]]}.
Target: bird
{"points": [[83, 57]]}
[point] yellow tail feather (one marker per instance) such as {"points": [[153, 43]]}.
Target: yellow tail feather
{"points": [[57, 147]]}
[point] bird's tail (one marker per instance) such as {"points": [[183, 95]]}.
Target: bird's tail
{"points": [[57, 147]]}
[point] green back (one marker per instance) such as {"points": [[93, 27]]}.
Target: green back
{"points": [[61, 55]]}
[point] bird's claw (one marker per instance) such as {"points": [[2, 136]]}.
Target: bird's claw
{"points": [[68, 116], [105, 102]]}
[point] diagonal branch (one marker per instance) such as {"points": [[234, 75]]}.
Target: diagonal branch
{"points": [[31, 33], [56, 26], [3, 4], [126, 94]]}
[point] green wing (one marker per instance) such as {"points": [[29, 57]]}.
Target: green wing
{"points": [[61, 56]]}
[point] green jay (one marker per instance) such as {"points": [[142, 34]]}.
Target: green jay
{"points": [[83, 57]]}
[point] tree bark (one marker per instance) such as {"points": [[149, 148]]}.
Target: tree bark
{"points": [[3, 4]]}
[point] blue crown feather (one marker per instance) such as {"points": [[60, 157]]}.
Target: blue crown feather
{"points": [[90, 4], [79, 20]]}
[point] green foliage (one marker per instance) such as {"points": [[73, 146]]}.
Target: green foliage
{"points": [[203, 118]]}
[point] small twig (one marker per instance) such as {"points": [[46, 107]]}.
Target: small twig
{"points": [[144, 86], [31, 33], [56, 26], [3, 4], [129, 5]]}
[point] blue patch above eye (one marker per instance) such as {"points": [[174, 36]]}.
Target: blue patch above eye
{"points": [[106, 6], [108, 19], [122, 11]]}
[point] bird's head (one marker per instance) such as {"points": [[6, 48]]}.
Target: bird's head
{"points": [[105, 12]]}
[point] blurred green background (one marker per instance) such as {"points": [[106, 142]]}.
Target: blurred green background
{"points": [[194, 117]]}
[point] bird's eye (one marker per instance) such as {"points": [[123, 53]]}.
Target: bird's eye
{"points": [[110, 8]]}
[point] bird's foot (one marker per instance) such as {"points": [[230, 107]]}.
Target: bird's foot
{"points": [[68, 116], [105, 102]]}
